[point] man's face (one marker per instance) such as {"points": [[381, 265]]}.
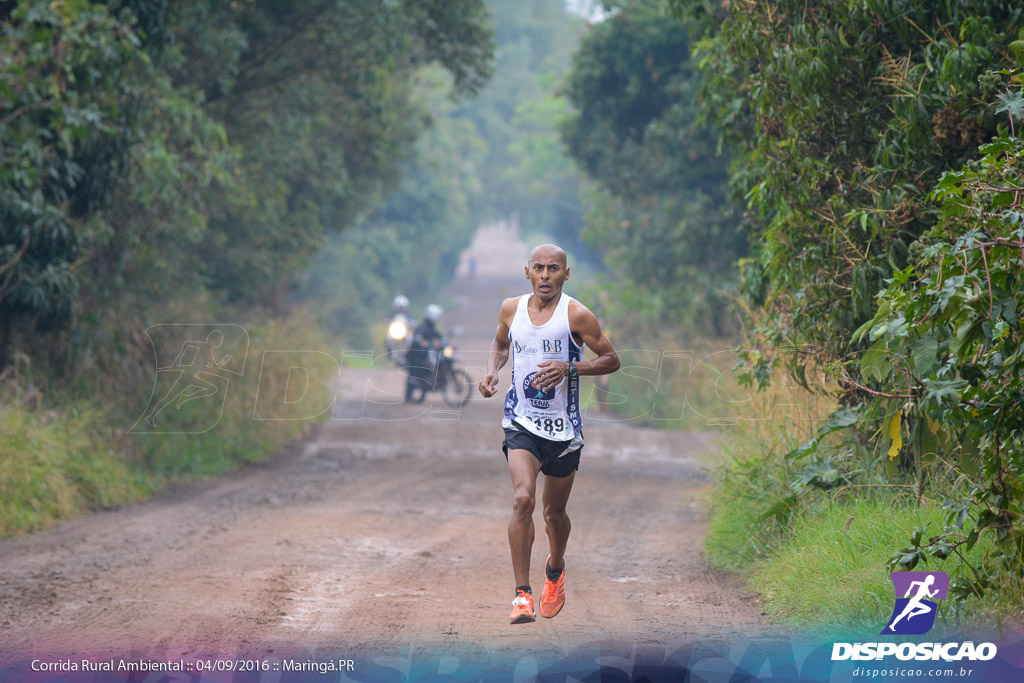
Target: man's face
{"points": [[547, 273]]}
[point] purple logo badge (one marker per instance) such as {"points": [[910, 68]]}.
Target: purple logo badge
{"points": [[914, 612]]}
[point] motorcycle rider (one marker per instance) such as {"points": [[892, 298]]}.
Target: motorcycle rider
{"points": [[421, 358], [399, 325]]}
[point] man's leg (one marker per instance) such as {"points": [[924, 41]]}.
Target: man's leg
{"points": [[523, 467], [556, 521]]}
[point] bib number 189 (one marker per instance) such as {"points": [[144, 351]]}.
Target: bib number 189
{"points": [[551, 426]]}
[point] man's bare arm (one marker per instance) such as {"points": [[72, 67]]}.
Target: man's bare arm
{"points": [[585, 324], [498, 355]]}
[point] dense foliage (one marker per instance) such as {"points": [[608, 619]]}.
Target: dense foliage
{"points": [[320, 103], [879, 151], [154, 150], [173, 163], [947, 352], [658, 200], [90, 128], [845, 116]]}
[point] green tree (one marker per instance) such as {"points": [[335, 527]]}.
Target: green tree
{"points": [[155, 150], [411, 242], [887, 236], [93, 137], [320, 106], [844, 115], [659, 211], [945, 362]]}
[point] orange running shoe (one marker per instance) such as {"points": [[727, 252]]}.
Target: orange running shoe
{"points": [[553, 597], [522, 608]]}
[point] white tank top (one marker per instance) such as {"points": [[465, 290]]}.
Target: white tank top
{"points": [[552, 414]]}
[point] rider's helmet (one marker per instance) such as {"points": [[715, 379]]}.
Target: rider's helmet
{"points": [[433, 313], [400, 304]]}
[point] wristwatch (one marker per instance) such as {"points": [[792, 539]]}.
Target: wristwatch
{"points": [[572, 369]]}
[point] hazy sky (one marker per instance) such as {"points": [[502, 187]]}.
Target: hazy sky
{"points": [[588, 9]]}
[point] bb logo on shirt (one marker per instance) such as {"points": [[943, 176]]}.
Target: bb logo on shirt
{"points": [[552, 346], [538, 398]]}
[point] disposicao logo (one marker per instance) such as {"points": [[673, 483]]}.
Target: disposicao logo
{"points": [[914, 614]]}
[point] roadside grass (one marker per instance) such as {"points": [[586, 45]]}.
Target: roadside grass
{"points": [[831, 573], [286, 388], [737, 539], [752, 475], [669, 378], [817, 557], [65, 454], [55, 466], [358, 360]]}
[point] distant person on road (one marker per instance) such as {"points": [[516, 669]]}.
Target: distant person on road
{"points": [[400, 305], [421, 357], [399, 324], [546, 332]]}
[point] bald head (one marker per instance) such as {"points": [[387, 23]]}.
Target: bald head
{"points": [[547, 251], [547, 271]]}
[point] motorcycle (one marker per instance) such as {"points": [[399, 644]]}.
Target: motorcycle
{"points": [[396, 339], [442, 374]]}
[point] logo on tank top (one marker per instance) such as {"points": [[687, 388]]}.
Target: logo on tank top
{"points": [[536, 397], [524, 349], [552, 346]]}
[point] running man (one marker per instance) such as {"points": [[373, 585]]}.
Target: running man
{"points": [[915, 607], [546, 332]]}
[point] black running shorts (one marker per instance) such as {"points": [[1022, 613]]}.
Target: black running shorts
{"points": [[550, 453]]}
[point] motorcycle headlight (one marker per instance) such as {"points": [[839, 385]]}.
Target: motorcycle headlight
{"points": [[397, 330], [448, 351]]}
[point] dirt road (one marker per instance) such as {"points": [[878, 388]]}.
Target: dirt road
{"points": [[385, 533]]}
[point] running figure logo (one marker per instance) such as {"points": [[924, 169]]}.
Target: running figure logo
{"points": [[202, 369], [914, 613]]}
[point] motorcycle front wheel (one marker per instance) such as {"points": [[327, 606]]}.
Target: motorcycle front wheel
{"points": [[457, 388]]}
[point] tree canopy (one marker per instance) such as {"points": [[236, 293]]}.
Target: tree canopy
{"points": [[155, 147], [878, 146], [659, 210]]}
